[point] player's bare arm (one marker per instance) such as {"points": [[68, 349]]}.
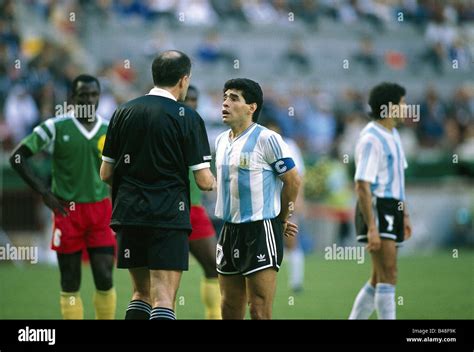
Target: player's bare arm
{"points": [[364, 196], [406, 223], [107, 172], [19, 162], [291, 184], [205, 180]]}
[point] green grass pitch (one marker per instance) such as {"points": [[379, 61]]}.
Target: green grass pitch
{"points": [[431, 286]]}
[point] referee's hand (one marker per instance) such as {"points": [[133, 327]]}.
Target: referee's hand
{"points": [[290, 229]]}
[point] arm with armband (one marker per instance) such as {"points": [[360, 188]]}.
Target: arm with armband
{"points": [[286, 170]]}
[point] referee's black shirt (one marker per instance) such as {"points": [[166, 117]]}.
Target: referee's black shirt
{"points": [[153, 141]]}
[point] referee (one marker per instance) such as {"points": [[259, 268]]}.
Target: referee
{"points": [[151, 143]]}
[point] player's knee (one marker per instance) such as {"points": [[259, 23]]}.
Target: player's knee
{"points": [[231, 303], [259, 312], [104, 280], [210, 271], [232, 309], [70, 282]]}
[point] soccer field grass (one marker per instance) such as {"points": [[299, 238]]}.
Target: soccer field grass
{"points": [[432, 286]]}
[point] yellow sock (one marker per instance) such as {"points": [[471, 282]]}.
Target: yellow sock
{"points": [[211, 297], [71, 305], [105, 303]]}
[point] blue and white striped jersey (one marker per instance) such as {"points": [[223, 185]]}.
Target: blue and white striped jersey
{"points": [[248, 186], [381, 161]]}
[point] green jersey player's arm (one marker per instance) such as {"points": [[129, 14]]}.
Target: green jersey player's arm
{"points": [[19, 163]]}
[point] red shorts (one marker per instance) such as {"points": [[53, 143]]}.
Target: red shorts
{"points": [[86, 226], [202, 225]]}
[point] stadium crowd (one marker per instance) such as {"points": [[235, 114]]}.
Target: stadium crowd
{"points": [[36, 71]]}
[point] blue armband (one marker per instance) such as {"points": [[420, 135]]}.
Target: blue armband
{"points": [[283, 165]]}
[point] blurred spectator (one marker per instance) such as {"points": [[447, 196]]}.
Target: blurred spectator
{"points": [[210, 50], [160, 41], [107, 102], [465, 10], [462, 106], [259, 12], [130, 8], [432, 112], [296, 56], [21, 113], [452, 135], [7, 10], [414, 12], [366, 56], [197, 13], [9, 36], [308, 11], [459, 51], [5, 77], [163, 10], [440, 37], [320, 127], [466, 149], [229, 10]]}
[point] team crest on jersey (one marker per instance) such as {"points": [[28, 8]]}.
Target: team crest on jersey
{"points": [[100, 144], [244, 160]]}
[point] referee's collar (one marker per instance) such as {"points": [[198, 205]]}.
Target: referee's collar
{"points": [[161, 93]]}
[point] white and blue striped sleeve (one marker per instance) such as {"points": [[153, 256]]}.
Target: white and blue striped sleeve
{"points": [[277, 154], [367, 157]]}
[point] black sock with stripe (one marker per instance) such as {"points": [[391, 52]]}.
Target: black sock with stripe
{"points": [[161, 313], [138, 310]]}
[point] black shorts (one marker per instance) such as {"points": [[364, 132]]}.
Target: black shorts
{"points": [[388, 214], [250, 247], [157, 249]]}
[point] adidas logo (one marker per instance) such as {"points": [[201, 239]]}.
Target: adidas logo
{"points": [[261, 258]]}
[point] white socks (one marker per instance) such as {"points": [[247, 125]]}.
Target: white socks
{"points": [[385, 301], [296, 268], [364, 303]]}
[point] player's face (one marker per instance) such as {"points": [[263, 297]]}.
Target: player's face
{"points": [[234, 108], [87, 94]]}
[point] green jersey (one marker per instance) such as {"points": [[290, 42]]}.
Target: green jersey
{"points": [[194, 189], [77, 155]]}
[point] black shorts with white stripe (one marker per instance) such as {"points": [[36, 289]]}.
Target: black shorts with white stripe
{"points": [[388, 214], [250, 247]]}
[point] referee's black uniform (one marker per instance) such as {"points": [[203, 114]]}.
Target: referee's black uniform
{"points": [[153, 141]]}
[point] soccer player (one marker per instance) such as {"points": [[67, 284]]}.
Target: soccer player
{"points": [[151, 144], [382, 219], [257, 189], [202, 241], [79, 199]]}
